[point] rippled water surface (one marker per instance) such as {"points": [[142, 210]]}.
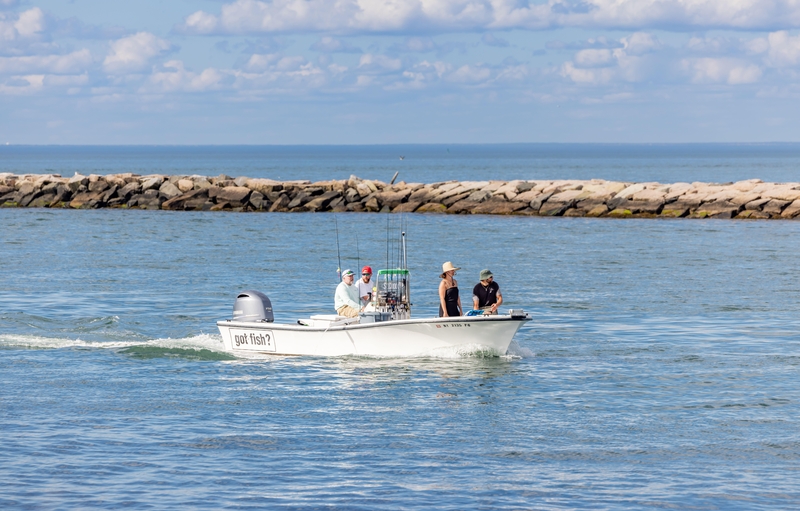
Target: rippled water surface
{"points": [[660, 370]]}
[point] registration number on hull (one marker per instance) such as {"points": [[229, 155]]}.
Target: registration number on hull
{"points": [[263, 340]]}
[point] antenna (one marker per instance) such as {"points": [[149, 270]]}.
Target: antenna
{"points": [[358, 254], [338, 254], [405, 260], [387, 241]]}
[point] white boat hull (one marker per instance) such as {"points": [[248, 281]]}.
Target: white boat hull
{"points": [[398, 338]]}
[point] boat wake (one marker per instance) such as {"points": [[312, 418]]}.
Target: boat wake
{"points": [[517, 351], [203, 346], [210, 347]]}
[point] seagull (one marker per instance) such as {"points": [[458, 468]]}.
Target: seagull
{"points": [[402, 157]]}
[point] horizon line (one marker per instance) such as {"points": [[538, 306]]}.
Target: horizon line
{"points": [[454, 144]]}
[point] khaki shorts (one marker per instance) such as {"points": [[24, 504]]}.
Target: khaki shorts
{"points": [[347, 311], [487, 311]]}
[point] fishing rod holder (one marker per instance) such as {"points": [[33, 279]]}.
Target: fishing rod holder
{"points": [[393, 292]]}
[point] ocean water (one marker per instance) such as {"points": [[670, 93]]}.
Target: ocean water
{"points": [[660, 369], [665, 163]]}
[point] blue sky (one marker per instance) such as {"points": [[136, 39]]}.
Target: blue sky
{"points": [[398, 71]]}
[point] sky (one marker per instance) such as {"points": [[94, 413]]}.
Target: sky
{"points": [[398, 71]]}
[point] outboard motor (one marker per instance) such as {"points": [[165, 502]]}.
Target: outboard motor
{"points": [[252, 306]]}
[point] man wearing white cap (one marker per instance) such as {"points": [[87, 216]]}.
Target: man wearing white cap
{"points": [[345, 301]]}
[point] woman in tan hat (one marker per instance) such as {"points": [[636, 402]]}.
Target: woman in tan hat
{"points": [[449, 301]]}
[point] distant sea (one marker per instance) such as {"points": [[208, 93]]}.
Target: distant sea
{"points": [[424, 163], [660, 370]]}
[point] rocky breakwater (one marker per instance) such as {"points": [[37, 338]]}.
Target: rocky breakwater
{"points": [[751, 199]]}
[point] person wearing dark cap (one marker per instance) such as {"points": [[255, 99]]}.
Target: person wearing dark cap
{"points": [[486, 294], [365, 286], [345, 301]]}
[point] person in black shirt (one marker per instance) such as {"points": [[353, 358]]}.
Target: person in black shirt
{"points": [[449, 301], [486, 294]]}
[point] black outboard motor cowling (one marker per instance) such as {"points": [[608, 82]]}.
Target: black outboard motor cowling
{"points": [[252, 306]]}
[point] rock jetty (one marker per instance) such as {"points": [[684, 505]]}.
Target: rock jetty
{"points": [[751, 199]]}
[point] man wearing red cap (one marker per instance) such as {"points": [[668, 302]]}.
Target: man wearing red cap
{"points": [[365, 286]]}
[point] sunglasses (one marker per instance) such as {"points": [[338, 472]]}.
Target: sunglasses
{"points": [[364, 274]]}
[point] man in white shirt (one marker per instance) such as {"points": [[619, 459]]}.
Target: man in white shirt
{"points": [[365, 286], [345, 301]]}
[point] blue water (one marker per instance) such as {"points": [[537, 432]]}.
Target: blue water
{"points": [[660, 370], [665, 163]]}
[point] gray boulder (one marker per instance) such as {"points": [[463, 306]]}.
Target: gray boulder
{"points": [[281, 203], [129, 189], [77, 181], [168, 190], [536, 204], [235, 195], [479, 196], [322, 202], [300, 200], [98, 186], [351, 195], [775, 207], [152, 183]]}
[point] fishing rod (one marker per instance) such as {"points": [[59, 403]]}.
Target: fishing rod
{"points": [[338, 254]]}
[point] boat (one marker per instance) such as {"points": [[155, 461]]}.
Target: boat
{"points": [[385, 330]]}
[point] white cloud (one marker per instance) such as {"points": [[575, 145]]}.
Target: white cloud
{"points": [[594, 58], [36, 83], [756, 46], [421, 75], [349, 16], [630, 63], [413, 81], [30, 22], [260, 63], [643, 57], [201, 22], [66, 80], [784, 50], [747, 73], [75, 62], [23, 85], [721, 70], [26, 25], [329, 44], [364, 80], [719, 45], [174, 77], [133, 53], [371, 61], [587, 76], [640, 43], [470, 74], [290, 64], [280, 74], [513, 73], [594, 42], [336, 69]]}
